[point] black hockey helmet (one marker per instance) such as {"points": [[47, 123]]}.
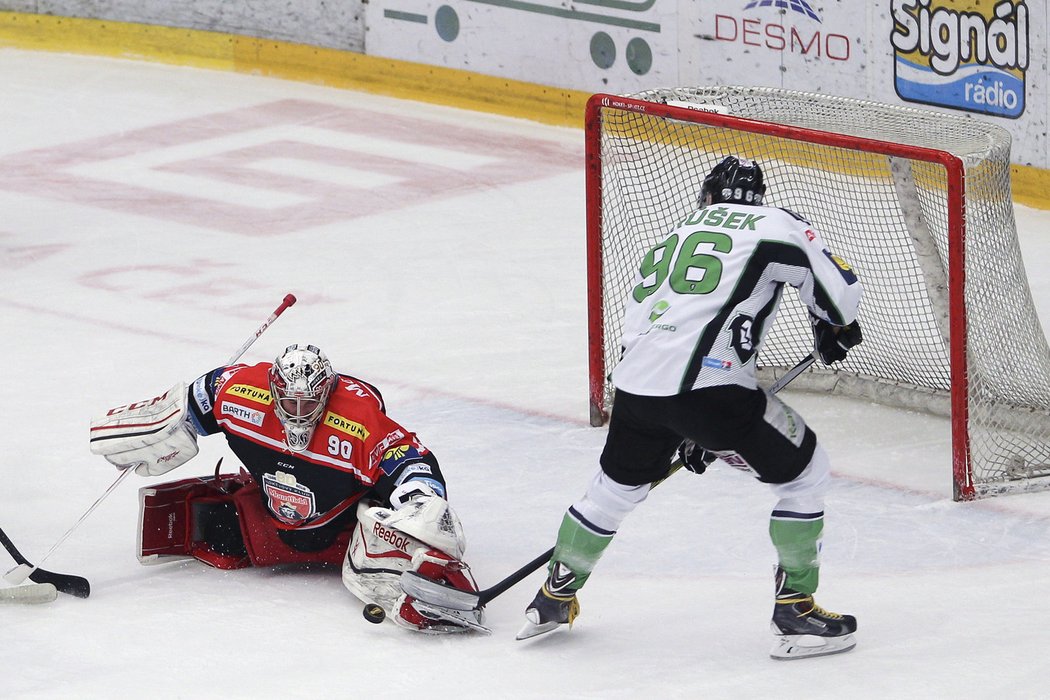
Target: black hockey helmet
{"points": [[733, 180]]}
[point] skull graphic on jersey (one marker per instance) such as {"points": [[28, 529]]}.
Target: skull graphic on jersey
{"points": [[300, 380]]}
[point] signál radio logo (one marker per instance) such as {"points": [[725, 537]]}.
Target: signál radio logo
{"points": [[970, 55]]}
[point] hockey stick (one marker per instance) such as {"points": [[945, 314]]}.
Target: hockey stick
{"points": [[76, 585], [66, 583], [800, 367], [288, 300], [434, 593]]}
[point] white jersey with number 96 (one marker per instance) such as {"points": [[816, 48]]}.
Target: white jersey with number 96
{"points": [[704, 297]]}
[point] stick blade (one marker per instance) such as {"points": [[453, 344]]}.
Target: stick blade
{"points": [[76, 586], [31, 594], [430, 591]]}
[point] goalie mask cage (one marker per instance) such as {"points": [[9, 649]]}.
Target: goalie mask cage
{"points": [[917, 202]]}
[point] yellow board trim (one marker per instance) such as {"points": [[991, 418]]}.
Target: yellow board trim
{"points": [[303, 63], [342, 69], [1030, 186]]}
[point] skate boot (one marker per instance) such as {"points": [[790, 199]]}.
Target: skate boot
{"points": [[554, 605], [804, 629]]}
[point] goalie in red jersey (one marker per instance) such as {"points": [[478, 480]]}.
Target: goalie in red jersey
{"points": [[328, 478]]}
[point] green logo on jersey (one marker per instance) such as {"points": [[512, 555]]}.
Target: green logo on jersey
{"points": [[658, 310]]}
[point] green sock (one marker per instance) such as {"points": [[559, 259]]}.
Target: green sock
{"points": [[798, 550], [579, 548]]}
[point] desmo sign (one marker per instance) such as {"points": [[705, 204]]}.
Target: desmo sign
{"points": [[777, 37]]}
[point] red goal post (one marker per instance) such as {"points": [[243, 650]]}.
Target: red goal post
{"points": [[892, 190]]}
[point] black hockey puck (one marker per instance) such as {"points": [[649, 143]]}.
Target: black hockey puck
{"points": [[374, 613]]}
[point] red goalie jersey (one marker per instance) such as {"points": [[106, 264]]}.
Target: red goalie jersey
{"points": [[354, 450]]}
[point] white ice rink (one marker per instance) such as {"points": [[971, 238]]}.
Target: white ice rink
{"points": [[152, 216]]}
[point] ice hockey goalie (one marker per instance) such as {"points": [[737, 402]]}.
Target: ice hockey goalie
{"points": [[328, 479]]}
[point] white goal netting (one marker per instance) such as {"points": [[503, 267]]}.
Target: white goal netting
{"points": [[891, 209]]}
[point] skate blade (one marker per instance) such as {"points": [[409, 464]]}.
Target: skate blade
{"points": [[534, 629], [804, 646]]}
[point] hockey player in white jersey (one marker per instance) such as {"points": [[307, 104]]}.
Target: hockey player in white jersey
{"points": [[694, 322]]}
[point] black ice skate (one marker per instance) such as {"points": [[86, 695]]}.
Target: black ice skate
{"points": [[554, 605], [805, 629]]}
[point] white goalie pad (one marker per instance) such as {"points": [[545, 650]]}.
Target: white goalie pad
{"points": [[152, 436], [433, 522], [385, 545]]}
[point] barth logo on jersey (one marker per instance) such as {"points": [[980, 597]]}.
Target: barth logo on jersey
{"points": [[241, 413], [811, 235], [289, 501], [252, 393], [345, 425], [843, 266]]}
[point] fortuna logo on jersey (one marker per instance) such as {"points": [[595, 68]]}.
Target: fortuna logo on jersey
{"points": [[252, 393], [289, 501], [345, 425]]}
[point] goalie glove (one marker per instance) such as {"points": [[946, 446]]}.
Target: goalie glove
{"points": [[832, 342], [152, 436], [423, 536]]}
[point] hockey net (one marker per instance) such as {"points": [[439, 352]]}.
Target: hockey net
{"points": [[919, 204]]}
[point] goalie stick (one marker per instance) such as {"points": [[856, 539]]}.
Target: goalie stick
{"points": [[77, 585], [439, 594]]}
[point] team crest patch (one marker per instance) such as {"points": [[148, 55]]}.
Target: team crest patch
{"points": [[288, 500]]}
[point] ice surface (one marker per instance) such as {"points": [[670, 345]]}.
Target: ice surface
{"points": [[454, 279]]}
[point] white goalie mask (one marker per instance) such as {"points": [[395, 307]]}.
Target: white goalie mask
{"points": [[301, 379]]}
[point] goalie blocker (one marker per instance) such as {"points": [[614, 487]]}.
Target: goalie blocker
{"points": [[222, 522]]}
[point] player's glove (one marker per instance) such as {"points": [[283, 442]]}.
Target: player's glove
{"points": [[832, 342], [694, 457]]}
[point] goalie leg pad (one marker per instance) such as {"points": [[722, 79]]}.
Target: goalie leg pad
{"points": [[421, 616], [191, 518]]}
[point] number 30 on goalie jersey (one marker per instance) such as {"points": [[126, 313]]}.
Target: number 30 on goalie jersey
{"points": [[704, 296]]}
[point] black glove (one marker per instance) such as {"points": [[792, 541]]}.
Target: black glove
{"points": [[695, 458], [833, 342]]}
